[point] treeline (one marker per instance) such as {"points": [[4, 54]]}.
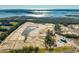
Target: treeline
{"points": [[71, 36], [58, 20], [26, 49]]}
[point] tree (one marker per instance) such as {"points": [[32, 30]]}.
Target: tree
{"points": [[36, 49], [25, 49], [31, 49], [51, 49], [57, 28], [2, 36], [48, 40]]}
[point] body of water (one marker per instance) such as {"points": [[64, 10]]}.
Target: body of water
{"points": [[39, 13]]}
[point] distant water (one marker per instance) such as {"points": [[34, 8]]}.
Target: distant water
{"points": [[38, 13], [2, 15]]}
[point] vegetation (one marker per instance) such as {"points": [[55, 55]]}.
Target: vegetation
{"points": [[14, 23], [71, 36], [56, 20], [51, 50], [8, 25], [64, 49], [2, 36], [42, 50], [49, 41], [57, 29], [36, 49], [26, 49], [31, 49]]}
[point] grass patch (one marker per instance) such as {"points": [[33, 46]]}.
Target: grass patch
{"points": [[14, 23], [42, 50], [30, 49], [63, 49]]}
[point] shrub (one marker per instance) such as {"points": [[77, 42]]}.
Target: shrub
{"points": [[48, 40], [36, 49], [51, 49]]}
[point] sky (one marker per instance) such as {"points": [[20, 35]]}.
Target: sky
{"points": [[39, 6]]}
